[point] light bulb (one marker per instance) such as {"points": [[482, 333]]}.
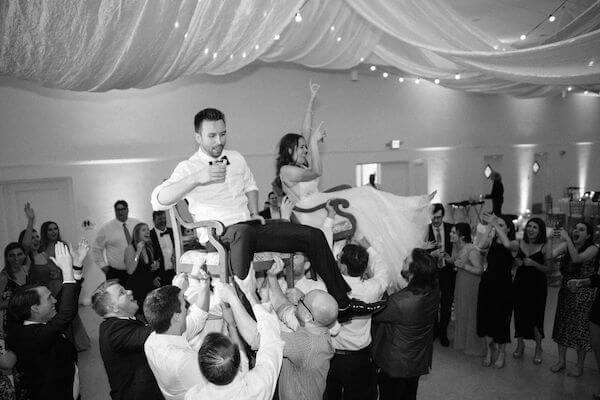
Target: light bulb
{"points": [[298, 17], [244, 55], [551, 18], [257, 47], [523, 37], [591, 63], [176, 24], [362, 59], [385, 74], [276, 37], [185, 36], [436, 81], [339, 38], [205, 50], [418, 80], [570, 88], [400, 79], [214, 55], [373, 68], [457, 76], [332, 28]]}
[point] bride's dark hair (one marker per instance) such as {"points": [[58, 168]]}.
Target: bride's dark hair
{"points": [[287, 145]]}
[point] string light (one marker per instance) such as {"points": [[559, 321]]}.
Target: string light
{"points": [[418, 80], [400, 79], [457, 76], [523, 36], [570, 88], [436, 81], [362, 59], [591, 63], [257, 47], [276, 37], [205, 50], [231, 56], [185, 36], [373, 68], [339, 39], [298, 17], [244, 54], [385, 74], [176, 24], [551, 18], [332, 28], [214, 55]]}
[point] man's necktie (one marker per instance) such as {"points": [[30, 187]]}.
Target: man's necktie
{"points": [[438, 239], [127, 234]]}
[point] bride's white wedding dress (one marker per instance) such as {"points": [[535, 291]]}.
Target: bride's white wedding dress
{"points": [[394, 225]]}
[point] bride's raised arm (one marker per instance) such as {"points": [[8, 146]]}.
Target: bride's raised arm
{"points": [[307, 123]]}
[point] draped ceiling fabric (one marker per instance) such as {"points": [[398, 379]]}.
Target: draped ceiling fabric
{"points": [[99, 45]]}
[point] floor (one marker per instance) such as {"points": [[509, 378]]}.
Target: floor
{"points": [[454, 376]]}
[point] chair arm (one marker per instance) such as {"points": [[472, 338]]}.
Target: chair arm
{"points": [[337, 204], [338, 188]]}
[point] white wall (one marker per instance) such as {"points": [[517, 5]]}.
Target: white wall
{"points": [[50, 133]]}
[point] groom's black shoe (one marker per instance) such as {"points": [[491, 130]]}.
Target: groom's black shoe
{"points": [[357, 308]]}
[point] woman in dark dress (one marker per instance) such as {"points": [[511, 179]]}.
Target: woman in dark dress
{"points": [[530, 287], [591, 282], [571, 327], [495, 300], [140, 263]]}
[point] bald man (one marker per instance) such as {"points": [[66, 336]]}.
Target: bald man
{"points": [[308, 346]]}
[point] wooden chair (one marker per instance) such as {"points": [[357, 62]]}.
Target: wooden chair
{"points": [[218, 264]]}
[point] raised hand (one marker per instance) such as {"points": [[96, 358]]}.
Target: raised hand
{"points": [[62, 258], [277, 266], [330, 209], [181, 281], [314, 88], [80, 252], [29, 212], [224, 291]]}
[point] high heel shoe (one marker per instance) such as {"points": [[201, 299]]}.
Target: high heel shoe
{"points": [[556, 368]]}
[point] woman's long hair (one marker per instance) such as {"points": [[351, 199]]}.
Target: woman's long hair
{"points": [[134, 239], [541, 237], [567, 265], [287, 146], [511, 234], [44, 241], [463, 230]]}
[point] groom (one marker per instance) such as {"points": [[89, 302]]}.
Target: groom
{"points": [[218, 185]]}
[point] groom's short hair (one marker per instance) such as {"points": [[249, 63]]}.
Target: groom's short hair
{"points": [[208, 114]]}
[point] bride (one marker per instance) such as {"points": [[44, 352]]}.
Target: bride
{"points": [[394, 225]]}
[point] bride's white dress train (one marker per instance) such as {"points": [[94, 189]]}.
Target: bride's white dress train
{"points": [[394, 225]]}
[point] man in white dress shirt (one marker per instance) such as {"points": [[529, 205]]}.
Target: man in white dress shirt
{"points": [[221, 363], [352, 371], [112, 240], [172, 360], [218, 185]]}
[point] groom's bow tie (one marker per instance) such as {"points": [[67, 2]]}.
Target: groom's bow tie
{"points": [[222, 160]]}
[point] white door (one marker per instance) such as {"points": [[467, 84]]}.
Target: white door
{"points": [[52, 200]]}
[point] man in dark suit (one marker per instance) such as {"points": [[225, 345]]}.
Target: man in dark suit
{"points": [[163, 246], [272, 211], [122, 338], [439, 236], [45, 358]]}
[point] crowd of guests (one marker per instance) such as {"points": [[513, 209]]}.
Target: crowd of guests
{"points": [[340, 328]]}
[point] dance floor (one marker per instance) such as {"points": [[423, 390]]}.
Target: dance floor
{"points": [[454, 376]]}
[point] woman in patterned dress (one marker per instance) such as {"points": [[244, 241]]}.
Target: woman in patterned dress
{"points": [[571, 327]]}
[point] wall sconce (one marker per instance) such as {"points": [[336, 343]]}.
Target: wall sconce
{"points": [[394, 144], [535, 167], [487, 171]]}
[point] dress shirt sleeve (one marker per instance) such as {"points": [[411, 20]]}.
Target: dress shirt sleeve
{"points": [[188, 369], [98, 247], [296, 346], [270, 351], [378, 283], [195, 322], [128, 336], [181, 171], [248, 178]]}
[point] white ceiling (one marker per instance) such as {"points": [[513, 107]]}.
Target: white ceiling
{"points": [[508, 19]]}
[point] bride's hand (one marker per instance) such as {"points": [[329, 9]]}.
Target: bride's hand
{"points": [[314, 89], [286, 208], [319, 134]]}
